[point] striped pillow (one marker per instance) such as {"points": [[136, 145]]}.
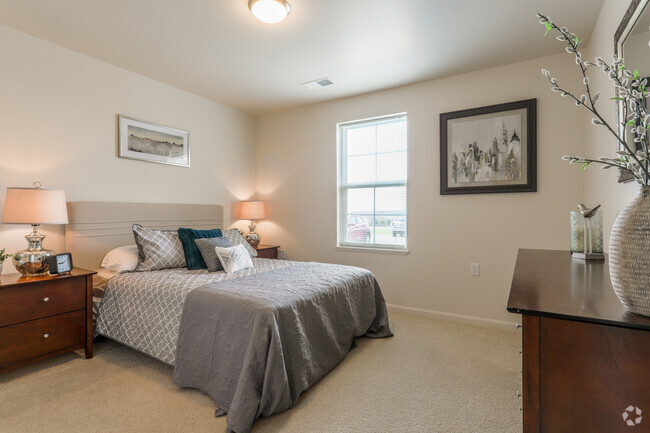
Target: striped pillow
{"points": [[207, 248]]}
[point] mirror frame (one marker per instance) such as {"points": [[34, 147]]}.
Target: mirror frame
{"points": [[628, 22]]}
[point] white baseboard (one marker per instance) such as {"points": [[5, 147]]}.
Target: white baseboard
{"points": [[451, 317]]}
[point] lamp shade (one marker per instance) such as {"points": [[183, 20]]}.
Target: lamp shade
{"points": [[35, 206], [252, 210]]}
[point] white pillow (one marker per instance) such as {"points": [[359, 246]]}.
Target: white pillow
{"points": [[234, 259], [121, 259]]}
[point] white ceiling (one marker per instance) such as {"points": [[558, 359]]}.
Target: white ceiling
{"points": [[217, 49]]}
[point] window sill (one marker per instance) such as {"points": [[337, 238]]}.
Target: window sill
{"points": [[401, 252]]}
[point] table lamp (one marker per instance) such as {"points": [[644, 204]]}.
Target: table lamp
{"points": [[34, 206], [252, 210]]}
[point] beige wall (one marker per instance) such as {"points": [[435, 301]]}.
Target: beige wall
{"points": [[601, 186], [296, 173], [58, 125], [57, 114]]}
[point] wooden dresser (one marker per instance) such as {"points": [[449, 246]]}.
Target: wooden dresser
{"points": [[586, 360], [44, 316]]}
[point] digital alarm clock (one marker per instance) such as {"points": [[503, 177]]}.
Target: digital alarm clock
{"points": [[60, 263]]}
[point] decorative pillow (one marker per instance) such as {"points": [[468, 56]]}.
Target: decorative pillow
{"points": [[137, 242], [236, 239], [234, 259], [121, 259], [192, 254], [162, 249], [207, 247]]}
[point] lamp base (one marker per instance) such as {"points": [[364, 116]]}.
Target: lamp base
{"points": [[33, 261], [252, 238]]}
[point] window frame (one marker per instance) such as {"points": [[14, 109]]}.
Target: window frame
{"points": [[343, 187]]}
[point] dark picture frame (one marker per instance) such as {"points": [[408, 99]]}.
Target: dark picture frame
{"points": [[491, 149]]}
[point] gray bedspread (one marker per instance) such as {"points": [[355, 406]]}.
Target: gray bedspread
{"points": [[256, 343], [143, 309]]}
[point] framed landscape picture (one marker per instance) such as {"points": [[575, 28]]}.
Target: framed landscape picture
{"points": [[489, 149], [150, 142]]}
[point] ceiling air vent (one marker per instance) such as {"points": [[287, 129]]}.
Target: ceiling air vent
{"points": [[321, 82]]}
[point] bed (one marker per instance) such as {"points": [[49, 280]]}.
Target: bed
{"points": [[252, 340]]}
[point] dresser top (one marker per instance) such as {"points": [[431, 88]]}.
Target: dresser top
{"points": [[553, 284], [8, 280]]}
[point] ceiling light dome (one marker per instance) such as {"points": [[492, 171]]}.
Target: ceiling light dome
{"points": [[269, 11]]}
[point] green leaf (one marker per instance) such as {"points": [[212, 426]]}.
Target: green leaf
{"points": [[576, 40], [620, 68], [636, 74], [548, 28], [584, 166], [631, 122], [616, 99]]}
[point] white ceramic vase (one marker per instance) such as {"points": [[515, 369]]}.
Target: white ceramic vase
{"points": [[629, 258]]}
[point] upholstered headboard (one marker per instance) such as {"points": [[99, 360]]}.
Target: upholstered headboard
{"points": [[97, 227]]}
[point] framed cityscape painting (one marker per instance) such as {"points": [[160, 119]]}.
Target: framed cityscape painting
{"points": [[489, 149], [150, 142]]}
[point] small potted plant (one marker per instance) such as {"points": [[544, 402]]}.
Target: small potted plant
{"points": [[3, 257]]}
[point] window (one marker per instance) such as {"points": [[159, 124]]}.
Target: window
{"points": [[372, 168]]}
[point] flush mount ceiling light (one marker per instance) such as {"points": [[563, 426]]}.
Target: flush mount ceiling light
{"points": [[269, 11]]}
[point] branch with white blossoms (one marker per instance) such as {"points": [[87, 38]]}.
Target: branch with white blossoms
{"points": [[630, 90]]}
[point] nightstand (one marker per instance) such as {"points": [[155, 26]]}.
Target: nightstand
{"points": [[267, 251], [44, 316]]}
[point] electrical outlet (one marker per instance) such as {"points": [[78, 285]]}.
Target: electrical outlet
{"points": [[474, 269], [282, 254]]}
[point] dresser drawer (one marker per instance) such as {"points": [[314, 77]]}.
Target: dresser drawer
{"points": [[30, 301], [31, 340]]}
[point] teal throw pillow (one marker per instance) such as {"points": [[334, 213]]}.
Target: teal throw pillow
{"points": [[192, 254]]}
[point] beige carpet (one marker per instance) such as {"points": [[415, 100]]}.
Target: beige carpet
{"points": [[431, 377]]}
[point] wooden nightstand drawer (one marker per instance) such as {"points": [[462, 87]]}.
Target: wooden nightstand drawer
{"points": [[31, 340], [267, 251], [36, 300]]}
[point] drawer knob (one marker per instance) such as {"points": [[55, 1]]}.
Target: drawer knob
{"points": [[46, 335], [520, 351], [518, 394], [46, 299], [517, 325]]}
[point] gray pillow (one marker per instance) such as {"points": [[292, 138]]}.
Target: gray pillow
{"points": [[236, 239], [207, 248], [160, 249]]}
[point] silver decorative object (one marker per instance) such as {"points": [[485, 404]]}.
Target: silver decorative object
{"points": [[629, 262], [33, 260], [252, 237], [577, 225], [588, 251]]}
